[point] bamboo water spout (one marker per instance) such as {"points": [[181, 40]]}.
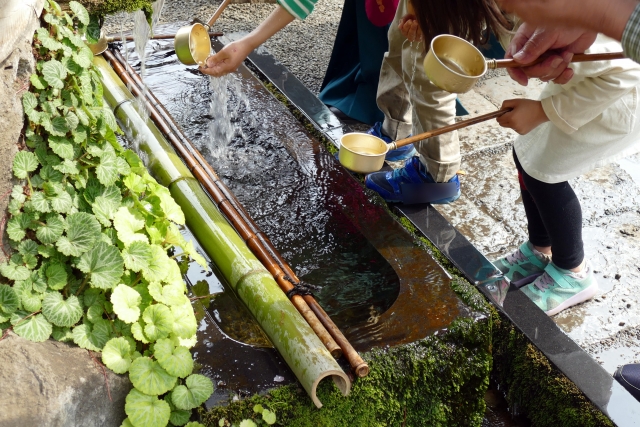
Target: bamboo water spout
{"points": [[299, 346], [255, 238]]}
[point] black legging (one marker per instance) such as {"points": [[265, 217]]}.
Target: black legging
{"points": [[554, 216]]}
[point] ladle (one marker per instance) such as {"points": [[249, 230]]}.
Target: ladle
{"points": [[364, 153], [453, 64], [192, 42], [101, 45]]}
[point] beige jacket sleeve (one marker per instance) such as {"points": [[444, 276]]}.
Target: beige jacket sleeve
{"points": [[595, 86]]}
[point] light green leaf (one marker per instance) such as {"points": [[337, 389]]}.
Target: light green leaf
{"points": [[28, 247], [171, 294], [158, 322], [29, 102], [194, 255], [94, 313], [8, 299], [104, 263], [258, 409], [54, 73], [194, 424], [146, 411], [109, 118], [107, 170], [269, 417], [149, 377], [185, 342], [14, 272], [135, 183], [51, 232], [83, 58], [82, 232], [61, 334], [137, 330], [15, 230], [30, 301], [158, 268], [137, 256], [23, 163], [35, 328], [92, 337], [59, 126], [17, 193], [80, 12], [184, 321], [62, 202], [116, 355], [61, 146], [170, 208], [125, 302], [177, 361], [61, 312], [40, 202], [38, 82], [248, 423], [127, 222], [197, 390], [56, 276]]}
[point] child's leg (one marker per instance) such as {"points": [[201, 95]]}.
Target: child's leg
{"points": [[560, 213]]}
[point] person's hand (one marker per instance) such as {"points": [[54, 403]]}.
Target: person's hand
{"points": [[556, 45], [525, 115], [410, 29], [227, 60]]}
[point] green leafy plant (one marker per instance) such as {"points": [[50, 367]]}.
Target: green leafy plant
{"points": [[266, 417], [92, 231]]}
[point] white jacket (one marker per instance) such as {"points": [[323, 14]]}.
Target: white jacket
{"points": [[593, 119]]}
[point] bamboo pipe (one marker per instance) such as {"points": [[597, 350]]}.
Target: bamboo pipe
{"points": [[285, 278], [223, 202], [492, 64], [111, 39]]}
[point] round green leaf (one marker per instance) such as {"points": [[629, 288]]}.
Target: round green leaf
{"points": [[56, 276], [126, 423], [30, 301], [158, 322], [61, 146], [197, 390], [80, 12], [194, 424], [149, 377], [146, 411], [61, 334], [158, 268], [248, 423], [61, 312], [184, 320], [125, 302], [23, 163], [83, 230], [137, 256], [268, 417], [8, 299], [177, 361], [35, 328], [92, 336], [127, 222], [169, 294], [29, 102], [104, 263], [116, 355], [179, 417], [52, 230], [54, 73]]}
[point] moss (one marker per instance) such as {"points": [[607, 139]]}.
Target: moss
{"points": [[438, 381], [102, 8], [534, 387]]}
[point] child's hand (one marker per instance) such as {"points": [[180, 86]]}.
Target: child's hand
{"points": [[410, 29], [525, 116]]}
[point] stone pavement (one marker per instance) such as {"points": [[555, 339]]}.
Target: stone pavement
{"points": [[490, 214]]}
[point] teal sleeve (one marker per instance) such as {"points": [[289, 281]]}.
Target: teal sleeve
{"points": [[631, 36], [298, 8]]}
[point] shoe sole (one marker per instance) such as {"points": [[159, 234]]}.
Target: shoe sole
{"points": [[582, 296]]}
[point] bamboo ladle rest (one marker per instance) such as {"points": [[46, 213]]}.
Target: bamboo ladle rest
{"points": [[364, 153]]}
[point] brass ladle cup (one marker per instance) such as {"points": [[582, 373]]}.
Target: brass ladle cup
{"points": [[192, 42], [364, 153], [455, 65]]}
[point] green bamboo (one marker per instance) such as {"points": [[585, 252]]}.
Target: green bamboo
{"points": [[288, 331]]}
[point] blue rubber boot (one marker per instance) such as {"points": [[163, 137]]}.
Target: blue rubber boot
{"points": [[393, 155], [412, 184]]}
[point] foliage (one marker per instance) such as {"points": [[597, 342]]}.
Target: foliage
{"points": [[91, 230]]}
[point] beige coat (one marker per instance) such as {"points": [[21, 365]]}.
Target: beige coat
{"points": [[593, 119]]}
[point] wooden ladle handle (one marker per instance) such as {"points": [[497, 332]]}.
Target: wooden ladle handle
{"points": [[449, 128], [218, 12], [580, 57]]}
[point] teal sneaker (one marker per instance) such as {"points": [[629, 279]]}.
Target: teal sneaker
{"points": [[557, 289], [525, 263]]}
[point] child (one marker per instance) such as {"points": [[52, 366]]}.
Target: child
{"points": [[412, 104], [572, 129]]}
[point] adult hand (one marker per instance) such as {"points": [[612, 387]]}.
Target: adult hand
{"points": [[410, 29], [608, 17], [227, 60], [556, 45]]}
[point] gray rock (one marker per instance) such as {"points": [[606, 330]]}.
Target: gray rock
{"points": [[53, 384]]}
